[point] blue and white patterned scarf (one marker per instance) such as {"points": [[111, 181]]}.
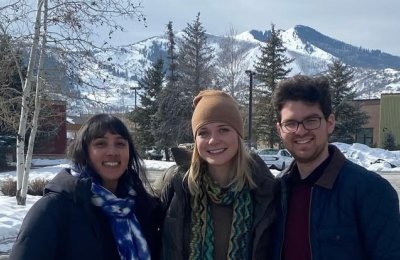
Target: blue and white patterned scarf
{"points": [[125, 226]]}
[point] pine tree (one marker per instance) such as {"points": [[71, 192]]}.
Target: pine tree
{"points": [[168, 113], [145, 116], [271, 67], [195, 73], [172, 57], [389, 141], [348, 115], [195, 58]]}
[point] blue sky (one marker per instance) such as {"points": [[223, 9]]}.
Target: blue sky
{"points": [[369, 23]]}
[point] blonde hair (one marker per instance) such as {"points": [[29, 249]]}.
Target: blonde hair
{"points": [[241, 166]]}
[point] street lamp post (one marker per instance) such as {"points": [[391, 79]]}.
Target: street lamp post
{"points": [[135, 89], [251, 74]]}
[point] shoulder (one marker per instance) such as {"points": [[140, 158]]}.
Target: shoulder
{"points": [[368, 189], [169, 177], [65, 183], [46, 213], [175, 174], [354, 172], [72, 192], [350, 172], [363, 178], [49, 202], [37, 237], [175, 178], [174, 185]]}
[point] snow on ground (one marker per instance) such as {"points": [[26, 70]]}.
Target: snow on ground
{"points": [[11, 215]]}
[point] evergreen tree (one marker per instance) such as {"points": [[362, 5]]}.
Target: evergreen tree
{"points": [[195, 71], [145, 116], [348, 115], [168, 113], [271, 67], [195, 58], [389, 141], [172, 57]]}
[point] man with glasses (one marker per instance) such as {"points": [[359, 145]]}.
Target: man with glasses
{"points": [[330, 207]]}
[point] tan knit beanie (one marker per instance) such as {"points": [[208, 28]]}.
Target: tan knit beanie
{"points": [[212, 106]]}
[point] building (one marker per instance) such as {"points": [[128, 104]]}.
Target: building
{"points": [[389, 117], [50, 140], [74, 123], [384, 116], [369, 134], [51, 136]]}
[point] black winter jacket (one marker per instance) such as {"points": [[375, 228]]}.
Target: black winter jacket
{"points": [[177, 228], [64, 224]]}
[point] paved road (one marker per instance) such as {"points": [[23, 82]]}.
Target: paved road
{"points": [[394, 179]]}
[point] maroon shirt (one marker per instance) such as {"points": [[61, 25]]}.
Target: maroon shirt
{"points": [[297, 237]]}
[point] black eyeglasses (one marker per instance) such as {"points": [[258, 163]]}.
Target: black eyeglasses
{"points": [[311, 123]]}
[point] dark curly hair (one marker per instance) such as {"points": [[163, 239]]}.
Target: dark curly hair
{"points": [[311, 90]]}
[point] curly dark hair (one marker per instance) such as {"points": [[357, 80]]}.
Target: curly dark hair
{"points": [[311, 90]]}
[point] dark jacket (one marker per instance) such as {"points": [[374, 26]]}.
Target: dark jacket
{"points": [[177, 228], [64, 224], [354, 213]]}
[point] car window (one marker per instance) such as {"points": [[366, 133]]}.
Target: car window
{"points": [[268, 152]]}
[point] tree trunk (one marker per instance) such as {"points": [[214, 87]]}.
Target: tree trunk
{"points": [[20, 150], [35, 120]]}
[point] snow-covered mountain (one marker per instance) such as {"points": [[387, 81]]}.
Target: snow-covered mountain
{"points": [[376, 72]]}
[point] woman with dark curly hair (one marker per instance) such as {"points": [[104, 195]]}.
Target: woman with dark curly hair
{"points": [[97, 209]]}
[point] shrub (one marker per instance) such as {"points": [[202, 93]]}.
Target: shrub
{"points": [[389, 141], [36, 186], [9, 187]]}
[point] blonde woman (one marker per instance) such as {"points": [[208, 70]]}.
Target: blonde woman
{"points": [[219, 205]]}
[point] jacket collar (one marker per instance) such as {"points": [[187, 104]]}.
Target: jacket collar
{"points": [[331, 172]]}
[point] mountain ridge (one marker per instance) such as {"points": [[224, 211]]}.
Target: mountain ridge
{"points": [[359, 56], [375, 71]]}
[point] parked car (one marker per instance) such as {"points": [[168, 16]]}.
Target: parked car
{"points": [[153, 153], [188, 146], [276, 159]]}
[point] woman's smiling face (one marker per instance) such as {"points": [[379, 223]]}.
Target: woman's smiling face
{"points": [[217, 144], [109, 157]]}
